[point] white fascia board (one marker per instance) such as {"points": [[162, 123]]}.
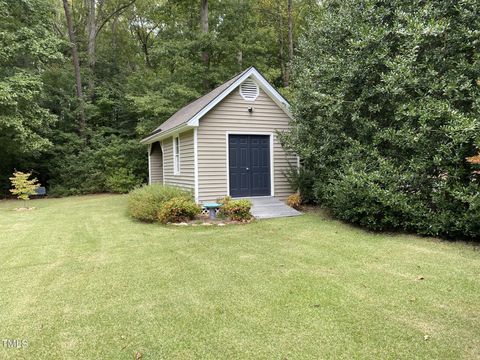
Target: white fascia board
{"points": [[162, 135], [274, 94], [262, 82]]}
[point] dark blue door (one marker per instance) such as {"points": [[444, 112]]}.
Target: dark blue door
{"points": [[249, 165]]}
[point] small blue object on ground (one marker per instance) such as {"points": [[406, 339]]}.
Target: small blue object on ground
{"points": [[212, 209], [41, 191]]}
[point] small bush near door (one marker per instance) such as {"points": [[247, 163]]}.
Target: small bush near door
{"points": [[144, 203], [178, 210], [294, 201], [236, 210]]}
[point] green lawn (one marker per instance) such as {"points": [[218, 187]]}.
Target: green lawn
{"points": [[79, 279]]}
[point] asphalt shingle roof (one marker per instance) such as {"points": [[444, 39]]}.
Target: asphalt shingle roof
{"points": [[190, 110]]}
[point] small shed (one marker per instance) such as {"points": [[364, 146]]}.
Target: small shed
{"points": [[226, 142]]}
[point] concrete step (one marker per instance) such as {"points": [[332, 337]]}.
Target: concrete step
{"points": [[270, 207]]}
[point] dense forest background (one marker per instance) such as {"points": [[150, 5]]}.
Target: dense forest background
{"points": [[81, 81]]}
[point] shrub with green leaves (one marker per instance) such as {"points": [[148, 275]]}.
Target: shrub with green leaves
{"points": [[121, 181], [178, 210], [387, 111], [302, 180], [145, 202], [236, 210]]}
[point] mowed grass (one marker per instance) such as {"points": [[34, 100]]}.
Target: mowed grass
{"points": [[80, 280]]}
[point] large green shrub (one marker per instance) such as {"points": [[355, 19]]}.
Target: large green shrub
{"points": [[145, 202], [177, 210], [388, 109], [121, 181]]}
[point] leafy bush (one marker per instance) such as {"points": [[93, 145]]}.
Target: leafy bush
{"points": [[294, 201], [236, 210], [302, 180], [177, 210], [386, 114], [145, 202], [224, 200], [121, 181], [23, 187], [105, 164]]}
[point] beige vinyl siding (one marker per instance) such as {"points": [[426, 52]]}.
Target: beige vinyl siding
{"points": [[231, 115], [156, 163], [186, 178]]}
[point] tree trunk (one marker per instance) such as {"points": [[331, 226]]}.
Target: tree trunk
{"points": [[240, 59], [91, 35], [76, 66], [204, 29], [281, 45], [290, 42]]}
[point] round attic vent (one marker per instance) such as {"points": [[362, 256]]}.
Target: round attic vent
{"points": [[249, 90]]}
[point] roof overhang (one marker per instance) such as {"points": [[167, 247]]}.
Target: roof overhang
{"points": [[195, 120], [165, 134]]}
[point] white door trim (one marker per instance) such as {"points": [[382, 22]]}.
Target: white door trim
{"points": [[272, 170]]}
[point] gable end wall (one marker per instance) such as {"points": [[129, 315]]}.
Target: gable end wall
{"points": [[231, 115]]}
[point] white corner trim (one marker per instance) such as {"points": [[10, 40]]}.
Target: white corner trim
{"points": [[149, 165], [261, 81], [195, 162], [272, 155]]}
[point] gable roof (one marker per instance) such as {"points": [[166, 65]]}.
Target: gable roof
{"points": [[189, 115]]}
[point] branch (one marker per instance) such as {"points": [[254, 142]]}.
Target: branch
{"points": [[116, 12]]}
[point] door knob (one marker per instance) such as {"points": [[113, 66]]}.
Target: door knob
{"points": [[247, 168]]}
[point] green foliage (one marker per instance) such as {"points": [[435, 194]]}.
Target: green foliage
{"points": [[177, 210], [225, 199], [387, 111], [145, 202], [236, 210], [121, 182], [27, 44], [106, 164], [302, 180], [23, 187]]}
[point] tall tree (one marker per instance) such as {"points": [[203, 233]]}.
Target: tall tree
{"points": [[205, 52], [290, 42], [98, 15], [76, 67]]}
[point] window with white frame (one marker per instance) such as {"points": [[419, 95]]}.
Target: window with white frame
{"points": [[176, 155]]}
